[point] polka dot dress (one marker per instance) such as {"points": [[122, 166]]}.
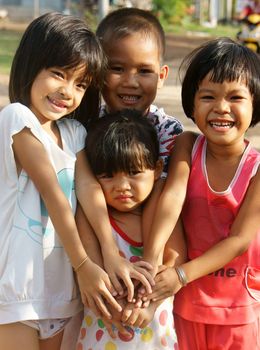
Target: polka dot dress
{"points": [[159, 334]]}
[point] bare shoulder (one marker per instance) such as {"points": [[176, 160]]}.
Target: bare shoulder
{"points": [[185, 141]]}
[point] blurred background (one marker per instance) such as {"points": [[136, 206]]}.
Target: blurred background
{"points": [[187, 24], [204, 12]]}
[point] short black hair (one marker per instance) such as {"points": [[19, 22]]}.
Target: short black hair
{"points": [[124, 141], [57, 40], [226, 60], [126, 21]]}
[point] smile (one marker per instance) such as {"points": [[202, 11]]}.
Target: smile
{"points": [[129, 98], [57, 103], [222, 125]]}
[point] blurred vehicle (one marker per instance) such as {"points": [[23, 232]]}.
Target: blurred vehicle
{"points": [[250, 32]]}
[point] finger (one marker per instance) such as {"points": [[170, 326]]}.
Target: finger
{"points": [[138, 303], [126, 314], [133, 317], [144, 264], [102, 307], [130, 288], [92, 306], [139, 276], [147, 274], [111, 300], [109, 328], [146, 303], [116, 285], [122, 329]]}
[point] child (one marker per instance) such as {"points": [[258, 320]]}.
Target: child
{"points": [[56, 63], [126, 163], [214, 179], [134, 42]]}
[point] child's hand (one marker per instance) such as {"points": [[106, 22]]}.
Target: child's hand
{"points": [[114, 324], [138, 317], [167, 284], [118, 267], [95, 285]]}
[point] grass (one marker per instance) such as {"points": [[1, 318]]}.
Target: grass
{"points": [[187, 25], [9, 39], [8, 43]]}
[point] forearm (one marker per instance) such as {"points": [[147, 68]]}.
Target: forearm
{"points": [[92, 201], [166, 216], [56, 203], [175, 251], [215, 258], [88, 237], [150, 209]]}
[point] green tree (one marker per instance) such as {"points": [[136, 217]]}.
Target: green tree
{"points": [[171, 11]]}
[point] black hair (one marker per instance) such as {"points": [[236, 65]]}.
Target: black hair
{"points": [[57, 40], [225, 60], [126, 21], [124, 141]]}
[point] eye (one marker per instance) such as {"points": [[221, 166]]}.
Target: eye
{"points": [[83, 85], [237, 97], [104, 176], [206, 97], [146, 71], [135, 172], [58, 73], [116, 68]]}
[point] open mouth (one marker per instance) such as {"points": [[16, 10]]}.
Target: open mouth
{"points": [[222, 125], [57, 103], [129, 98]]}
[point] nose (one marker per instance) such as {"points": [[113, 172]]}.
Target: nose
{"points": [[121, 183], [222, 106], [66, 90], [130, 79]]}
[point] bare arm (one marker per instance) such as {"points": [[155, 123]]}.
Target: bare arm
{"points": [[92, 200], [32, 157], [242, 232], [99, 286], [172, 198]]}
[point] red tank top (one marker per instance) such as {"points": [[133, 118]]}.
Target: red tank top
{"points": [[232, 294]]}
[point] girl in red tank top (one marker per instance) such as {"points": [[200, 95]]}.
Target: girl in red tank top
{"points": [[214, 184]]}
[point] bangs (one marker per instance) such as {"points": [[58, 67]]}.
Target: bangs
{"points": [[126, 158]]}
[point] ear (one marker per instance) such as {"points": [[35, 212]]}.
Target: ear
{"points": [[164, 70], [158, 169]]}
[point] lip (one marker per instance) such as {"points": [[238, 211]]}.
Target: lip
{"points": [[57, 104], [123, 198], [221, 124], [128, 99]]}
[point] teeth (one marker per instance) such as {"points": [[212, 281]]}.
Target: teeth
{"points": [[222, 125], [57, 103], [129, 98]]}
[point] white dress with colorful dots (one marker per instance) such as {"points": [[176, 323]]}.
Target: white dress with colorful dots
{"points": [[159, 334]]}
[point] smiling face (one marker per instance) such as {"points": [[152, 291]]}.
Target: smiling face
{"points": [[223, 111], [57, 92], [134, 73]]}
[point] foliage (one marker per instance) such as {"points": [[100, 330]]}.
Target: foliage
{"points": [[8, 43], [171, 11]]}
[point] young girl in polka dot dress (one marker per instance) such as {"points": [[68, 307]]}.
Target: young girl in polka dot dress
{"points": [[126, 165]]}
